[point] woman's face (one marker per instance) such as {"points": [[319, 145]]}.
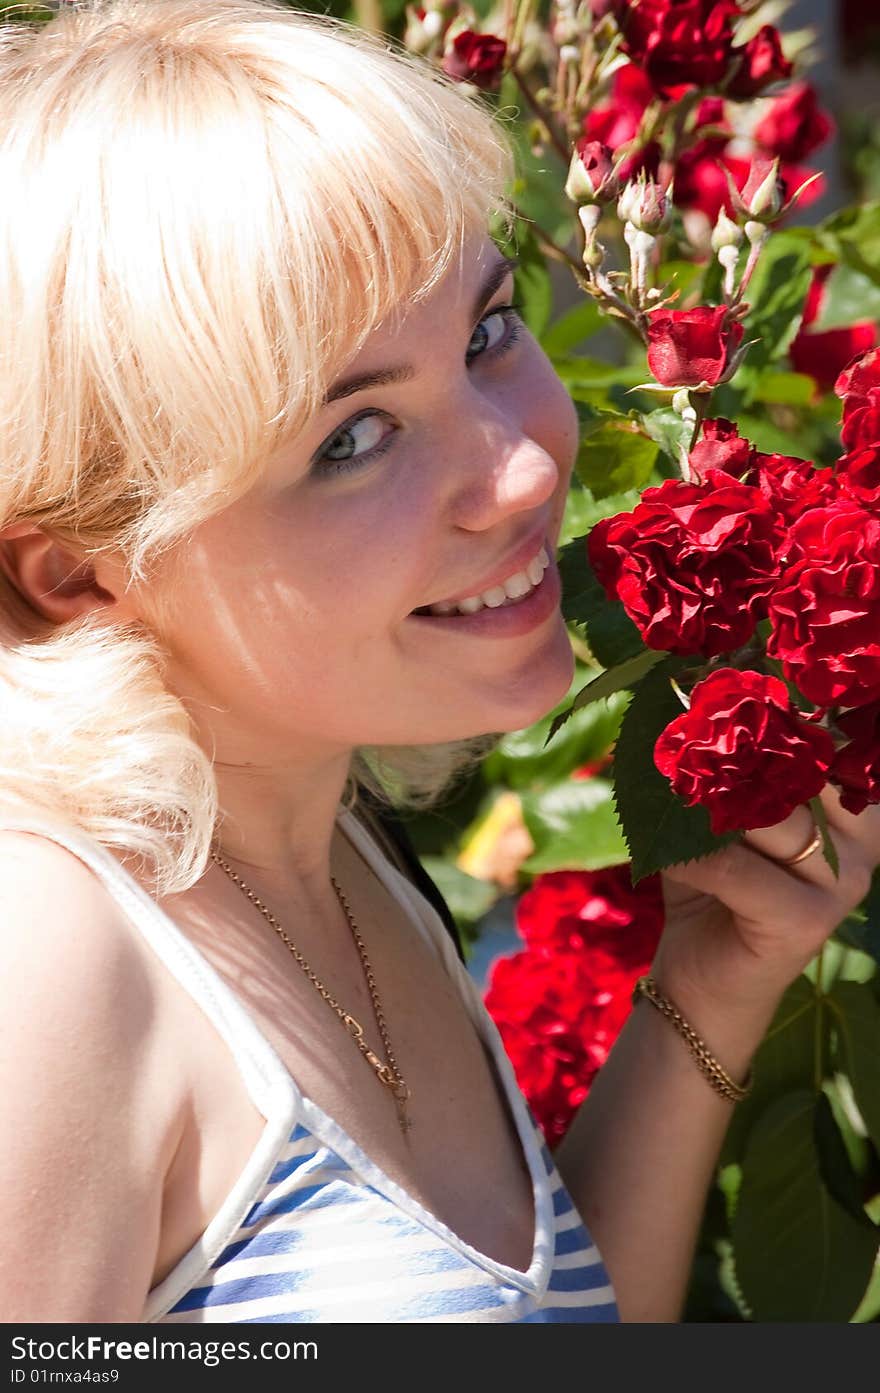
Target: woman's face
{"points": [[294, 611]]}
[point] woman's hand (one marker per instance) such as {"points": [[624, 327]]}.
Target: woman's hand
{"points": [[740, 926]]}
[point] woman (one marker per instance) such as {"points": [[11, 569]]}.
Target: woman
{"points": [[282, 479]]}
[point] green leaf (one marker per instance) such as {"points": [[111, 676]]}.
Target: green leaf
{"points": [[522, 760], [573, 826], [533, 287], [614, 458], [572, 328], [468, 898], [660, 831], [847, 296], [767, 437], [582, 510], [777, 293], [799, 1255], [835, 1167], [780, 388], [854, 236], [624, 677], [669, 430], [829, 850], [782, 1064], [857, 1021], [611, 634]]}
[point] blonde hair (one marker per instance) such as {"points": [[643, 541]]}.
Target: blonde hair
{"points": [[208, 207]]}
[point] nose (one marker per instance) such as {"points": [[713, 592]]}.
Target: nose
{"points": [[497, 468]]}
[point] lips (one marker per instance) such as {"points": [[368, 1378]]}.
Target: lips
{"points": [[517, 561]]}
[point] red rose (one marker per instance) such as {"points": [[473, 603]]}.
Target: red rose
{"points": [[861, 421], [616, 122], [591, 173], [700, 181], [476, 58], [795, 124], [561, 1003], [761, 62], [743, 752], [823, 355], [692, 348], [792, 485], [692, 564], [680, 44], [859, 475], [856, 767], [858, 379], [720, 447], [825, 610]]}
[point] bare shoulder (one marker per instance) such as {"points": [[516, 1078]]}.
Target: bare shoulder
{"points": [[89, 1093]]}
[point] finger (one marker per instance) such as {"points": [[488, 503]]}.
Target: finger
{"points": [[758, 891], [863, 827], [792, 838]]}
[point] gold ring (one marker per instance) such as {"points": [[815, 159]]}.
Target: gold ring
{"points": [[813, 845]]}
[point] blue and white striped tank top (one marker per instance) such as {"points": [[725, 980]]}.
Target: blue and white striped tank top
{"points": [[313, 1230]]}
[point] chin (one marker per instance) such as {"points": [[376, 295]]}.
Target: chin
{"points": [[534, 693]]}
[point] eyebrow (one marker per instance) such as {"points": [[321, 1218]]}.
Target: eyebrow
{"points": [[405, 372]]}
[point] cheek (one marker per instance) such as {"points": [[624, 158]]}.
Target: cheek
{"points": [[552, 418]]}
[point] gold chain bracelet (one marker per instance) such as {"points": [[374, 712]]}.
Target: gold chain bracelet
{"points": [[706, 1062]]}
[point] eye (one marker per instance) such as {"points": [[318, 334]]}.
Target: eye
{"points": [[365, 429]]}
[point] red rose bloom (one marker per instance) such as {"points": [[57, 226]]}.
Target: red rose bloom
{"points": [[560, 1004], [680, 44], [792, 485], [692, 564], [825, 610], [858, 380], [861, 421], [700, 181], [720, 447], [476, 58], [762, 62], [856, 767], [795, 124], [859, 475], [689, 348], [743, 752]]}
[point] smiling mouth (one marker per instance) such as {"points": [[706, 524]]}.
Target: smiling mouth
{"points": [[511, 591]]}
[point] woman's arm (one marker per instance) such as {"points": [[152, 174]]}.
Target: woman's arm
{"points": [[641, 1151], [86, 1118]]}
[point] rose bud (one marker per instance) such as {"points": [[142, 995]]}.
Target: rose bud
{"points": [[720, 447], [743, 752], [644, 204], [693, 348], [476, 58], [591, 176], [761, 62], [763, 194]]}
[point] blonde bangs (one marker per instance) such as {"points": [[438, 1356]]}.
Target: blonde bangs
{"points": [[220, 202]]}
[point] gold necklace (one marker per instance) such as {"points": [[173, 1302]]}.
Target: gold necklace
{"points": [[387, 1073]]}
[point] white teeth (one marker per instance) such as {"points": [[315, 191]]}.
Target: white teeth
{"points": [[514, 588], [495, 597], [470, 605], [518, 585]]}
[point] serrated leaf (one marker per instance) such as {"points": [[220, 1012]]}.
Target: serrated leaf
{"points": [[857, 1020], [660, 831], [799, 1255], [523, 760], [611, 634], [615, 458], [669, 430], [624, 677], [573, 826], [829, 850], [777, 293]]}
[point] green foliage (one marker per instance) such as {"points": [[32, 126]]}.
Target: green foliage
{"points": [[659, 830], [614, 457], [573, 826], [799, 1255], [522, 760], [853, 237], [612, 636], [776, 294]]}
